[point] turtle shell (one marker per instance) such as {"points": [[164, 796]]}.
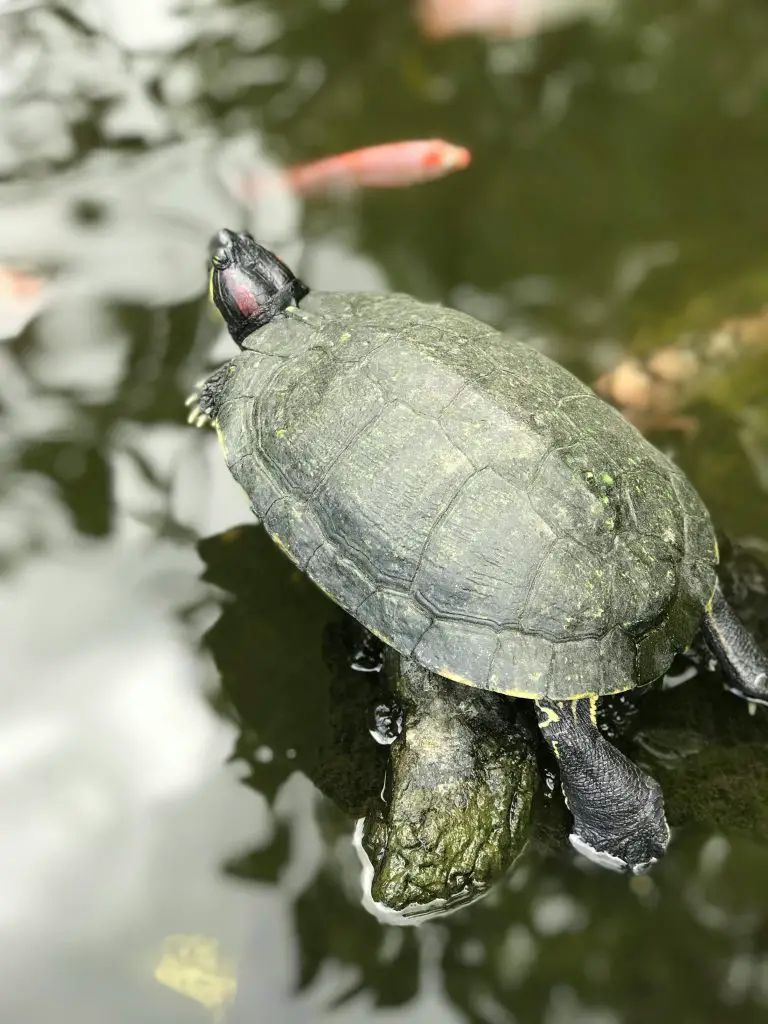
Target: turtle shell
{"points": [[467, 499]]}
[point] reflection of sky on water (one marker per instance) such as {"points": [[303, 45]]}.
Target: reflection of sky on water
{"points": [[615, 186], [105, 745]]}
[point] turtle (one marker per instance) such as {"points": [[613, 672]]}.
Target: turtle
{"points": [[477, 508]]}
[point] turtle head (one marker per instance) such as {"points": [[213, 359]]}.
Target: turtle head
{"points": [[249, 284]]}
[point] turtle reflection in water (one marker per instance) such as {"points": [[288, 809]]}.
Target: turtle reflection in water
{"points": [[479, 509]]}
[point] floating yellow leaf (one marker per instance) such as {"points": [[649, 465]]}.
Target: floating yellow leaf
{"points": [[192, 966]]}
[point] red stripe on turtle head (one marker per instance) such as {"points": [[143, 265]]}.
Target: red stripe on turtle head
{"points": [[240, 292], [245, 300]]}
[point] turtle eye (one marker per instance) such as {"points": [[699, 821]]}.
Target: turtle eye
{"points": [[221, 258]]}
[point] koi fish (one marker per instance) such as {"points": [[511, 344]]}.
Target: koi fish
{"points": [[391, 165], [18, 285], [439, 19], [22, 296]]}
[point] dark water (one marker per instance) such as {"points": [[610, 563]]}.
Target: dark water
{"points": [[617, 196]]}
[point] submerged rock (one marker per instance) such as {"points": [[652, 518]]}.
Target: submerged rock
{"points": [[455, 809]]}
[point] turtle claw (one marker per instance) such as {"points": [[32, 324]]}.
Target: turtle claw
{"points": [[752, 702], [197, 418], [203, 402]]}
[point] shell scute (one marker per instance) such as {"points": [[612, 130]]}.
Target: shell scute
{"points": [[464, 571], [394, 618], [458, 643]]}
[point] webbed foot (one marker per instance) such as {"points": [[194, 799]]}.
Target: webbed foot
{"points": [[618, 810]]}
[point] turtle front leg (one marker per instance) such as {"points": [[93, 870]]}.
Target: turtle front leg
{"points": [[203, 402], [618, 810], [743, 662]]}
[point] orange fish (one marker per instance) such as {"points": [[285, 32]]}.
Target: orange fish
{"points": [[17, 285], [22, 296], [439, 19], [391, 165]]}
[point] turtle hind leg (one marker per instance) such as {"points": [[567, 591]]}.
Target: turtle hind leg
{"points": [[618, 810], [743, 662]]}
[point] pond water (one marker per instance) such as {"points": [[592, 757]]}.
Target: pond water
{"points": [[169, 852]]}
